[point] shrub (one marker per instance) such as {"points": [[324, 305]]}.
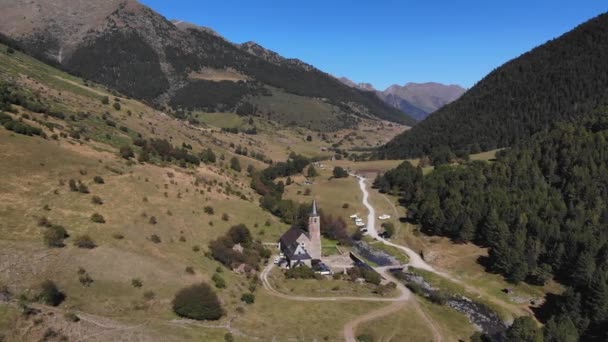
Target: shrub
{"points": [[50, 293], [219, 282], [85, 279], [189, 270], [152, 220], [248, 298], [302, 272], [137, 283], [97, 218], [209, 210], [228, 337], [155, 238], [118, 236], [438, 297], [126, 152], [84, 241], [54, 236], [71, 317], [96, 200], [198, 302], [365, 338], [105, 100], [116, 105], [73, 185], [345, 206], [389, 229], [340, 172], [225, 217], [235, 164], [98, 180], [196, 248], [83, 189]]}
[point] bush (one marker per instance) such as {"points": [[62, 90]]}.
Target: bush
{"points": [[219, 282], [97, 218], [235, 164], [71, 317], [198, 302], [248, 298], [96, 200], [105, 100], [84, 241], [155, 238], [50, 294], [118, 236], [365, 338], [73, 185], [209, 210], [116, 105], [54, 235], [438, 297], [389, 229], [126, 152], [137, 283], [189, 270], [302, 272], [228, 337], [83, 189], [149, 295], [225, 217], [98, 180], [340, 172]]}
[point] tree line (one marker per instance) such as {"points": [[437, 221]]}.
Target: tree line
{"points": [[541, 208]]}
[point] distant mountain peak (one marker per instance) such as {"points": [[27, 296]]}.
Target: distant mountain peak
{"points": [[415, 99], [361, 86]]}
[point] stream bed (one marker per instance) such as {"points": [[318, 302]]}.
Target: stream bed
{"points": [[483, 318]]}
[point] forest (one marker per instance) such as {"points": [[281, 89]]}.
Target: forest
{"points": [[560, 80], [540, 208]]}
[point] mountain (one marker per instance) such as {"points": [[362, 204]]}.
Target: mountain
{"points": [[129, 47], [418, 100], [558, 81], [353, 84], [427, 97]]}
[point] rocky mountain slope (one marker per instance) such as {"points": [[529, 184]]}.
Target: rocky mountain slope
{"points": [[416, 99], [127, 46], [560, 80]]}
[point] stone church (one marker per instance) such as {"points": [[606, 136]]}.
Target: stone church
{"points": [[301, 247]]}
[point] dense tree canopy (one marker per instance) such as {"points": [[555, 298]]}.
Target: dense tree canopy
{"points": [[542, 210], [557, 81]]}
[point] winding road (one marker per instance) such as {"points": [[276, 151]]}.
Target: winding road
{"points": [[414, 258], [397, 303]]}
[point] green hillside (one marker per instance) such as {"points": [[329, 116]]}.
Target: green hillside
{"points": [[557, 81]]}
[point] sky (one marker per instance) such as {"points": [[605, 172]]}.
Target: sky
{"points": [[388, 42]]}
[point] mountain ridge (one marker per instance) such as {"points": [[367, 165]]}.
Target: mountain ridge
{"points": [[127, 46], [416, 99], [560, 80]]}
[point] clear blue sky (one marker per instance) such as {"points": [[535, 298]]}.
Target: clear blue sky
{"points": [[385, 42]]}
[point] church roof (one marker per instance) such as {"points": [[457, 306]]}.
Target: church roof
{"points": [[291, 236], [289, 244]]}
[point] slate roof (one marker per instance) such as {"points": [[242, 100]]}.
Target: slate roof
{"points": [[291, 235], [289, 244]]}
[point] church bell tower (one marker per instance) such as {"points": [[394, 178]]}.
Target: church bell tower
{"points": [[314, 230]]}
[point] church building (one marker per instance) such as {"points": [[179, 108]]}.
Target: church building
{"points": [[301, 247]]}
